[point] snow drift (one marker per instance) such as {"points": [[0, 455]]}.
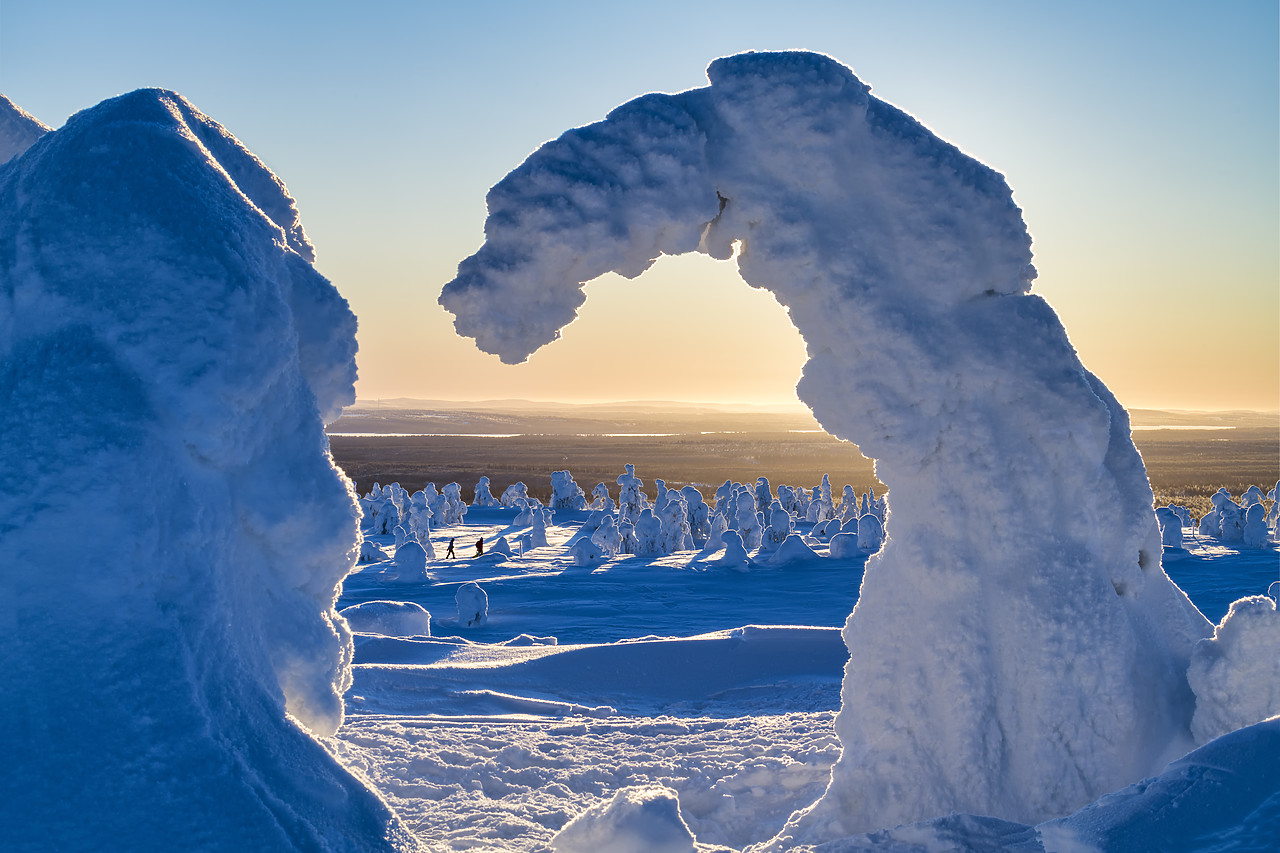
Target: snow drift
{"points": [[1021, 653], [168, 356]]}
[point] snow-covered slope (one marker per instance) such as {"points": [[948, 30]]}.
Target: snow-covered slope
{"points": [[173, 529], [18, 129], [1017, 649]]}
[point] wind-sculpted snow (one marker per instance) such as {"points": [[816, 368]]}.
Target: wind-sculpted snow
{"points": [[1016, 655], [168, 352]]}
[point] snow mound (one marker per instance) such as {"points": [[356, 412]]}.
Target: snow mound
{"points": [[1236, 673], [1016, 656], [643, 819], [389, 618], [473, 605], [1223, 796], [18, 129], [164, 338]]}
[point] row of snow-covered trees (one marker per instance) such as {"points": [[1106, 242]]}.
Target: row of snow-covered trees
{"points": [[1246, 523], [744, 517]]}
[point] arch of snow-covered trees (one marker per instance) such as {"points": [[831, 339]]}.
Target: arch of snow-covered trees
{"points": [[974, 683]]}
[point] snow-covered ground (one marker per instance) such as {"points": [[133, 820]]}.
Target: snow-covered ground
{"points": [[720, 685]]}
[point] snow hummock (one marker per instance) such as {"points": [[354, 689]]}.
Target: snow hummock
{"points": [[1236, 673], [643, 819], [1017, 655], [168, 355], [389, 618]]}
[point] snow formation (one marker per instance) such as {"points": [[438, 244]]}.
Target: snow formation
{"points": [[168, 356], [1236, 673], [645, 818], [1016, 656]]}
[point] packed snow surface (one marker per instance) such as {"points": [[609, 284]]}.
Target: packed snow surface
{"points": [[173, 527], [1021, 652]]}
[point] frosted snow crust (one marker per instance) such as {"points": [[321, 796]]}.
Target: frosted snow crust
{"points": [[167, 354], [1021, 653]]}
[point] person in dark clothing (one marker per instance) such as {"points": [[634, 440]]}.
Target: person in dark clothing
{"points": [[450, 553], [479, 546]]}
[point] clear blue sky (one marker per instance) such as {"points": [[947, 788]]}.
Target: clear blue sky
{"points": [[1140, 139]]}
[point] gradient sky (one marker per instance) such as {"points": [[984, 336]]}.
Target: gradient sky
{"points": [[1140, 139]]}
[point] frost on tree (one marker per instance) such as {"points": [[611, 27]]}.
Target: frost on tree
{"points": [[168, 355], [1017, 656]]}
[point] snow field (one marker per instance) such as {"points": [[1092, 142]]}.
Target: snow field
{"points": [[509, 784]]}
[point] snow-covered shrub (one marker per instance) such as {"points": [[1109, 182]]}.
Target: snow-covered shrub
{"points": [[607, 537], [514, 493], [1252, 495], [541, 517], [473, 605], [779, 527], [586, 552], [763, 495], [699, 515], [411, 562], [793, 550], [1236, 673], [600, 499], [447, 508], [482, 497], [631, 500], [673, 514], [648, 534], [735, 552], [870, 533], [565, 493], [844, 545], [499, 546], [1255, 532], [370, 552], [627, 542], [747, 521], [636, 819], [389, 618], [1170, 527]]}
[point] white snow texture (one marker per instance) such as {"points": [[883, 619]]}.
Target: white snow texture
{"points": [[1016, 656], [167, 354]]}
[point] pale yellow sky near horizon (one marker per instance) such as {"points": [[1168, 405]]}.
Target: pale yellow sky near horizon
{"points": [[1139, 137]]}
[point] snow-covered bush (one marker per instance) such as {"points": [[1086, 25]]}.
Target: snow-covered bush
{"points": [[844, 545], [1255, 532], [473, 605], [699, 515], [600, 499], [648, 534], [607, 537], [779, 527], [389, 618], [673, 514], [747, 521], [514, 493], [411, 562], [482, 497], [1236, 673], [870, 534], [565, 493], [586, 552], [631, 500], [1170, 527]]}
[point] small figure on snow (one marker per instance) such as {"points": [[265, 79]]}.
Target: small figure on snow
{"points": [[480, 546], [449, 554]]}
